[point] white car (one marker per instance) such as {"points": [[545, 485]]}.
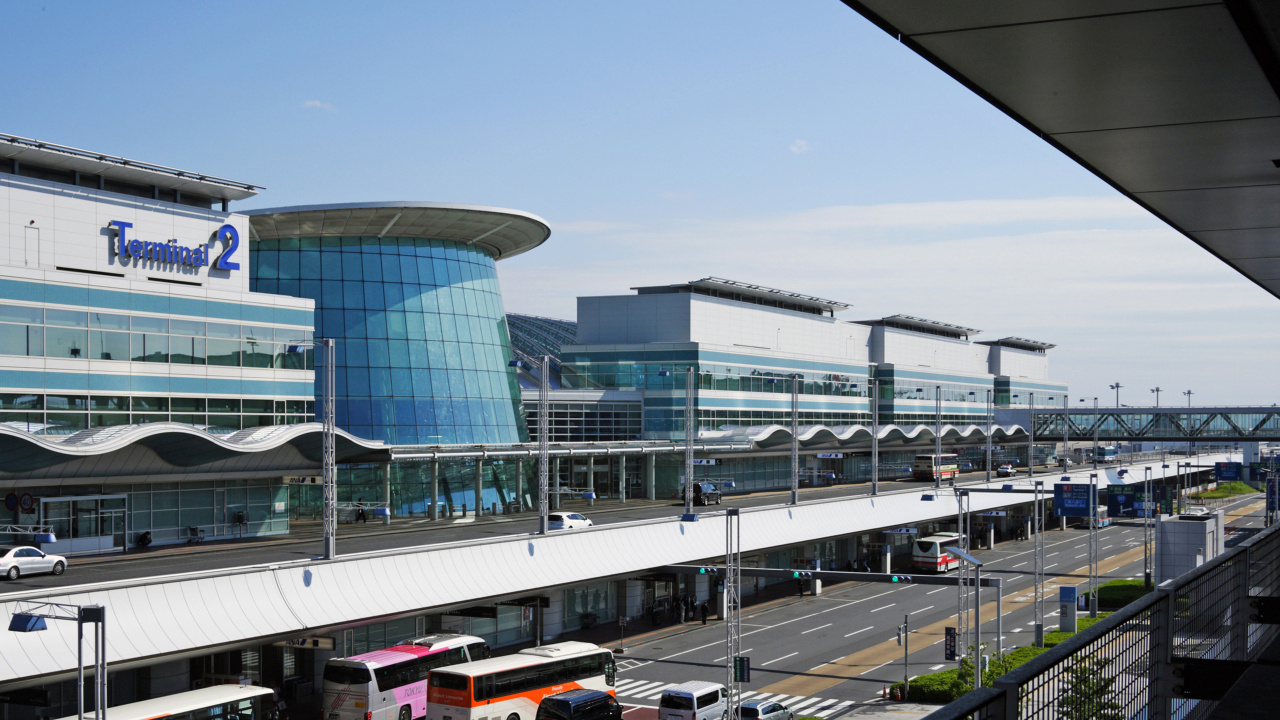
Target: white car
{"points": [[1005, 470], [567, 521], [18, 561]]}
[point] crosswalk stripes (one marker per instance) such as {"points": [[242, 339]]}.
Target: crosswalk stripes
{"points": [[810, 706]]}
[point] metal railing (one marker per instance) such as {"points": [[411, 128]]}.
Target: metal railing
{"points": [[1167, 655]]}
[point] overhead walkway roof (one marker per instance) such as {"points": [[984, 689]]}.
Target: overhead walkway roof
{"points": [[166, 618], [1172, 102]]}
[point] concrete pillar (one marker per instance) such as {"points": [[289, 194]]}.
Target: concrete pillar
{"points": [[553, 617], [432, 511], [622, 478], [815, 586], [650, 476], [633, 598], [1062, 523], [479, 486], [386, 492], [1027, 534], [519, 484], [590, 478], [991, 536], [886, 558]]}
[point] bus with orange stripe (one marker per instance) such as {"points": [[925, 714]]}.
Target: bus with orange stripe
{"points": [[511, 687]]}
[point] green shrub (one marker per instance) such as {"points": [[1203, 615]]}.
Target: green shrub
{"points": [[1224, 490], [1057, 638], [1118, 593], [947, 685]]}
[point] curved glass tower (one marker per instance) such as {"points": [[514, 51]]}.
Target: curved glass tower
{"points": [[410, 293]]}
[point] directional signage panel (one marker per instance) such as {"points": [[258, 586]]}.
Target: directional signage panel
{"points": [[1071, 500], [902, 531], [742, 668], [1120, 502], [830, 456], [1273, 495], [1227, 471], [951, 644]]}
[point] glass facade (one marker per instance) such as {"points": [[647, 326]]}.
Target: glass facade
{"points": [[422, 343]]}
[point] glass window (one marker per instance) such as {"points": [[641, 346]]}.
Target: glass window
{"points": [[13, 339], [21, 401], [222, 352], [64, 423], [66, 342], [151, 404], [108, 321], [223, 424], [258, 354], [108, 419], [149, 348], [186, 327], [150, 324], [188, 419], [187, 405], [109, 402], [257, 333], [258, 406], [108, 345], [144, 418], [186, 350], [224, 405], [66, 402], [21, 314], [66, 318], [222, 330]]}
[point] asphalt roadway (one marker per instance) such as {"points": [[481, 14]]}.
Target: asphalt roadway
{"points": [[826, 656], [406, 533]]}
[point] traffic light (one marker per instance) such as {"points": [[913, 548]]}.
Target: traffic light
{"points": [[801, 575], [900, 578], [708, 570]]}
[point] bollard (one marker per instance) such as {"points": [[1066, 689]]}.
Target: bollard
{"points": [[493, 509], [464, 509]]}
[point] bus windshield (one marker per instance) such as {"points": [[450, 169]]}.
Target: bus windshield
{"points": [[448, 681], [346, 674]]}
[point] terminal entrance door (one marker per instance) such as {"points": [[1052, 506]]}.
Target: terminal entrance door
{"points": [[85, 525]]}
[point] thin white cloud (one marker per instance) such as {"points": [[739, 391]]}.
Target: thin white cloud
{"points": [[799, 147], [319, 105], [1122, 295]]}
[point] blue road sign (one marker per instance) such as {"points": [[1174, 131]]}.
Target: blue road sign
{"points": [[1120, 502], [1227, 471], [1072, 500], [1273, 495]]}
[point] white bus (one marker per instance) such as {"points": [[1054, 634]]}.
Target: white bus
{"points": [[512, 687], [931, 554], [220, 702], [931, 467], [391, 684]]}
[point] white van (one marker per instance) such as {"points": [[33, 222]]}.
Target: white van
{"points": [[694, 700]]}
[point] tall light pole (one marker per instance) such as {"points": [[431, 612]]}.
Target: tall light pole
{"points": [[1190, 443], [544, 439], [328, 452], [990, 422], [937, 436], [1117, 387], [1031, 435], [1146, 527], [689, 434], [1066, 427], [1095, 432], [32, 619], [795, 438], [1156, 390], [873, 390], [1093, 545]]}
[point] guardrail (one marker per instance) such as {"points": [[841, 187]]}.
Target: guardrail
{"points": [[1171, 654]]}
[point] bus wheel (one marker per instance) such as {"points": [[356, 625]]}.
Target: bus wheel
{"points": [[513, 716], [406, 713]]}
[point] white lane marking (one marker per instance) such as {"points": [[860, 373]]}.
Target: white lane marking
{"points": [[855, 632], [934, 591], [913, 612], [937, 667], [805, 703], [642, 688], [1051, 554], [784, 657], [875, 668], [1020, 564], [652, 693], [882, 608], [744, 652], [834, 708], [806, 632]]}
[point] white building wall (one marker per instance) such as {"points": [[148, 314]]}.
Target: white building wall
{"points": [[46, 225], [904, 348], [685, 317], [1017, 363]]}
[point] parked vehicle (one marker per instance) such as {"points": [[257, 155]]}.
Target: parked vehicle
{"points": [[694, 700], [391, 684], [1005, 470], [1065, 462], [579, 705], [935, 467], [706, 494], [18, 561], [931, 554], [765, 710], [513, 686], [567, 521]]}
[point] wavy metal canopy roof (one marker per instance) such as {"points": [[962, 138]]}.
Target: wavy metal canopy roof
{"points": [[772, 437], [174, 444], [503, 233], [1172, 102]]}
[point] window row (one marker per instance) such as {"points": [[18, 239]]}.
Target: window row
{"points": [[27, 315], [296, 265], [63, 342], [357, 295], [439, 434], [371, 245], [358, 382], [66, 423], [124, 403]]}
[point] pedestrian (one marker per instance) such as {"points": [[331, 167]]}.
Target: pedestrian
{"points": [[848, 566], [703, 610], [675, 612], [360, 512], [653, 614]]}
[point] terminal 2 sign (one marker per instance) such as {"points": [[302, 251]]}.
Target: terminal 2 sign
{"points": [[173, 254]]}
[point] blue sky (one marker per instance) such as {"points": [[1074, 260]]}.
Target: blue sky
{"points": [[786, 144]]}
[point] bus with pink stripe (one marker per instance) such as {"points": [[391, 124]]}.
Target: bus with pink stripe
{"points": [[391, 684]]}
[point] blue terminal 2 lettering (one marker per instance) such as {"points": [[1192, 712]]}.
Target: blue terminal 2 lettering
{"points": [[171, 252]]}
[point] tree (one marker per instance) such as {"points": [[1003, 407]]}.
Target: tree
{"points": [[1089, 694]]}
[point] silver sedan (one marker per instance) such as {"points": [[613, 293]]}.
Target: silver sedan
{"points": [[765, 710], [18, 561]]}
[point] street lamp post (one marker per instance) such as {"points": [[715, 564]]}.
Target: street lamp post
{"points": [[795, 438], [328, 451], [1191, 444], [874, 384], [937, 435], [32, 619], [1031, 435], [1146, 523], [1156, 390], [689, 434], [1117, 387], [990, 422]]}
